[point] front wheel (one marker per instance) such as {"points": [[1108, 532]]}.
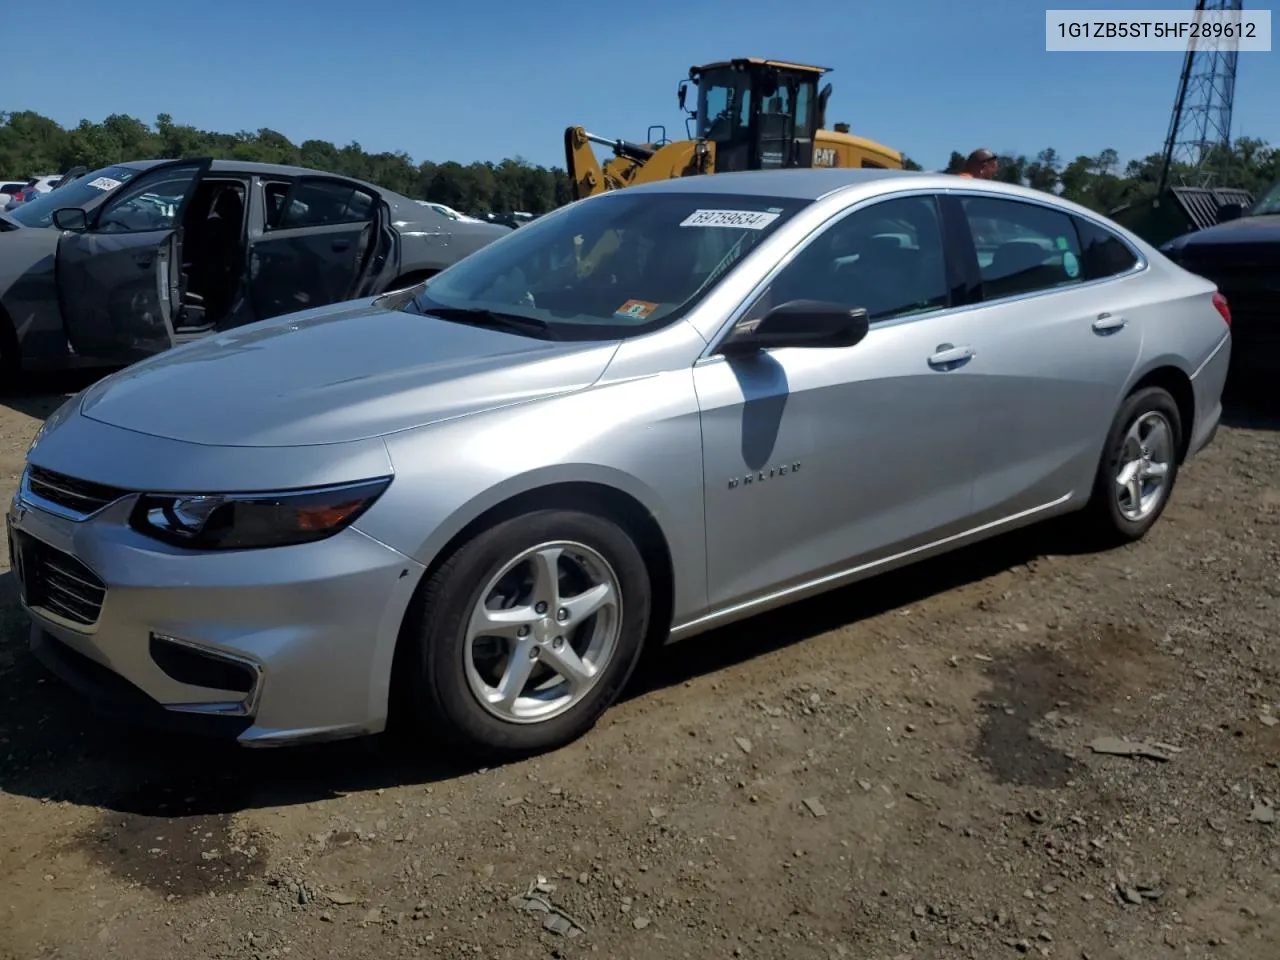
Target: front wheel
{"points": [[1139, 467], [527, 633]]}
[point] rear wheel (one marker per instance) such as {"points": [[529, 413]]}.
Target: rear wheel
{"points": [[1139, 467], [527, 633]]}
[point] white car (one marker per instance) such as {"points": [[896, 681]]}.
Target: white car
{"points": [[447, 211], [8, 188], [33, 188]]}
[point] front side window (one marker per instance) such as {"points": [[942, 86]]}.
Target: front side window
{"points": [[887, 258], [612, 267], [150, 203], [1022, 247]]}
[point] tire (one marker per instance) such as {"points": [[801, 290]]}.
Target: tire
{"points": [[10, 355], [453, 671], [1112, 518]]}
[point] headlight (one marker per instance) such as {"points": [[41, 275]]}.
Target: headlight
{"points": [[254, 520]]}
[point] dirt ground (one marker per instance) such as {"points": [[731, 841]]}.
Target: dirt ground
{"points": [[900, 770]]}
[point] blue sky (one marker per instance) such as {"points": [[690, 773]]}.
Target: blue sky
{"points": [[486, 80]]}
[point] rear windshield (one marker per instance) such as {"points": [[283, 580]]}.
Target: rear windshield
{"points": [[1269, 202], [83, 192]]}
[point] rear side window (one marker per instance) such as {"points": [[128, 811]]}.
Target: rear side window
{"points": [[316, 203], [1022, 247], [1102, 253]]}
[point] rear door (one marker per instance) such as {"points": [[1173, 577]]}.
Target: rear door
{"points": [[118, 281], [314, 244], [382, 262], [1055, 333]]}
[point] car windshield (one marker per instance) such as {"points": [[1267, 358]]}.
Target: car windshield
{"points": [[78, 193], [608, 268], [1269, 202]]}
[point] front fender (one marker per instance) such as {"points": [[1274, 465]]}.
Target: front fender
{"points": [[640, 437]]}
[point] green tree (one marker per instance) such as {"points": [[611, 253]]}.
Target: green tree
{"points": [[31, 144]]}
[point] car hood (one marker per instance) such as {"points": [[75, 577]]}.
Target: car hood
{"points": [[1246, 230], [336, 374]]}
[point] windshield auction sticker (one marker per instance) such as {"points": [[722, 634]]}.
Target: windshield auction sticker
{"points": [[742, 219], [104, 183], [636, 309]]}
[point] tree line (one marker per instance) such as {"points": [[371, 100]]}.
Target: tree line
{"points": [[1103, 184], [32, 144]]}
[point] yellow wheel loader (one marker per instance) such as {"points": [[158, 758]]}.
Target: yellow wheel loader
{"points": [[750, 114]]}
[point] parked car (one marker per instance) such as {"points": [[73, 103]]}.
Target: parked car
{"points": [[448, 212], [468, 506], [1241, 255], [7, 190], [33, 188], [98, 272]]}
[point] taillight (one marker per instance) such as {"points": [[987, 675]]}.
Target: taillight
{"points": [[1220, 302]]}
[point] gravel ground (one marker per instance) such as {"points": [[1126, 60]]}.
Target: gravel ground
{"points": [[906, 769]]}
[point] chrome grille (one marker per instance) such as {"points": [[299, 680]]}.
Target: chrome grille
{"points": [[78, 496], [59, 583]]}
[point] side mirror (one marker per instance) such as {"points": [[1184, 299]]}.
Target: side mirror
{"points": [[1230, 211], [682, 92], [71, 218], [799, 323]]}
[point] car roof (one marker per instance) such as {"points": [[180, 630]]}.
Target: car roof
{"points": [[251, 167], [814, 184], [799, 184]]}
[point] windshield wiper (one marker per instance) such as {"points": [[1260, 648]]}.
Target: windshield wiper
{"points": [[481, 317]]}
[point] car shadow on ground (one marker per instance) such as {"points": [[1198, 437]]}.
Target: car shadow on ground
{"points": [[1251, 412], [55, 749], [38, 395]]}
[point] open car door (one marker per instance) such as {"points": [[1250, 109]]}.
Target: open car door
{"points": [[119, 279], [381, 263], [315, 247]]}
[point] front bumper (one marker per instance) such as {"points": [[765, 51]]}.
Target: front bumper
{"points": [[268, 646]]}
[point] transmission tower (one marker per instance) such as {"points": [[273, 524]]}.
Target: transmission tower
{"points": [[1201, 118]]}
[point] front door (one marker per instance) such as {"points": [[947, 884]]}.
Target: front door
{"points": [[314, 245], [818, 460], [119, 280]]}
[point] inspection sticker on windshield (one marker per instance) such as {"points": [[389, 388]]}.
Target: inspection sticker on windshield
{"points": [[635, 309], [742, 219], [104, 183]]}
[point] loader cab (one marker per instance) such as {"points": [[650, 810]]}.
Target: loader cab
{"points": [[761, 114]]}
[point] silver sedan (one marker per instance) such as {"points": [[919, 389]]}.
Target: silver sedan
{"points": [[466, 507]]}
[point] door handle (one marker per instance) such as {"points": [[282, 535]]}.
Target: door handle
{"points": [[144, 260], [948, 357], [1108, 323], [340, 245]]}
